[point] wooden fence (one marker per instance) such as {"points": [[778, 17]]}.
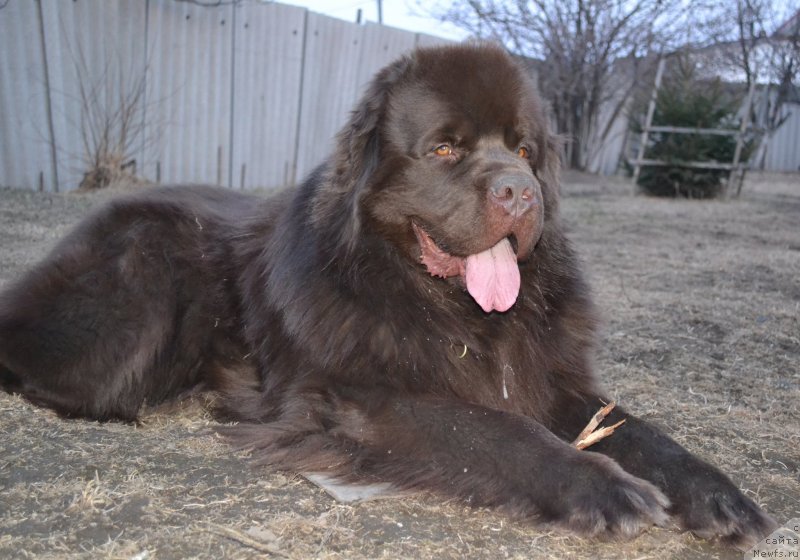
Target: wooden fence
{"points": [[246, 95]]}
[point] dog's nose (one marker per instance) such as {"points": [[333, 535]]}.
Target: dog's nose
{"points": [[515, 193]]}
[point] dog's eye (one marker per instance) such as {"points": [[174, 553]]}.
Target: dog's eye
{"points": [[443, 150], [523, 152]]}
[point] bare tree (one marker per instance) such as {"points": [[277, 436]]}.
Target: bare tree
{"points": [[112, 109], [111, 123], [590, 54], [768, 52]]}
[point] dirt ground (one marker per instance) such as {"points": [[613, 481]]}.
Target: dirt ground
{"points": [[701, 301]]}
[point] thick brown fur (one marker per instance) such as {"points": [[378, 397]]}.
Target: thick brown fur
{"points": [[340, 346]]}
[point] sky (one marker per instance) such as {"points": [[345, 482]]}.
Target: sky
{"points": [[396, 13]]}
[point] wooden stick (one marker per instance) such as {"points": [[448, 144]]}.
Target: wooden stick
{"points": [[590, 434], [595, 421], [648, 121], [594, 437], [245, 540]]}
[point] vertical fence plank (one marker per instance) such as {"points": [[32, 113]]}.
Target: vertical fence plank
{"points": [[783, 150], [25, 141], [380, 46], [268, 46], [329, 86], [189, 61]]}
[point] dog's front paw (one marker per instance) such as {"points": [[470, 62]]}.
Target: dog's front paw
{"points": [[706, 503], [601, 499]]}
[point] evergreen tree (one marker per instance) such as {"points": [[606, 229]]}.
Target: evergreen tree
{"points": [[685, 101]]}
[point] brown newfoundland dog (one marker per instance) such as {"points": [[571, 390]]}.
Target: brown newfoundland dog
{"points": [[412, 314]]}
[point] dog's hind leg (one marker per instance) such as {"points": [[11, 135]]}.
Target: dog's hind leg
{"points": [[77, 336], [111, 320]]}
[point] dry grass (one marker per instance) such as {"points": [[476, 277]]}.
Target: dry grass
{"points": [[702, 335]]}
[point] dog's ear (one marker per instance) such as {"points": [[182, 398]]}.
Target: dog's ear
{"points": [[358, 142], [357, 155]]}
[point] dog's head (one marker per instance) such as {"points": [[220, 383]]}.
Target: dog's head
{"points": [[449, 158]]}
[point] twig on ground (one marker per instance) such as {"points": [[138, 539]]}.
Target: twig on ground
{"points": [[245, 540], [590, 434]]}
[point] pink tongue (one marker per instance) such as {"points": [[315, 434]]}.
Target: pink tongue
{"points": [[493, 277]]}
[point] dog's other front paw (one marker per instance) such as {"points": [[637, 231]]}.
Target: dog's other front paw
{"points": [[706, 503]]}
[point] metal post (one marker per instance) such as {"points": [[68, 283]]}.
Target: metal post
{"points": [[300, 92], [232, 123], [219, 166], [48, 100]]}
